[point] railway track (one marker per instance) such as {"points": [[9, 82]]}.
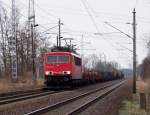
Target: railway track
{"points": [[6, 99], [75, 105]]}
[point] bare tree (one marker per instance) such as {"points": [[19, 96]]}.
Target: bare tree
{"points": [[4, 39]]}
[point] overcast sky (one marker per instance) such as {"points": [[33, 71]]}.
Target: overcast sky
{"points": [[88, 17]]}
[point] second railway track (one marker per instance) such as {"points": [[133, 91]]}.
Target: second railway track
{"points": [[75, 105], [24, 96]]}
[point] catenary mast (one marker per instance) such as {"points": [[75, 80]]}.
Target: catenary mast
{"points": [[13, 49]]}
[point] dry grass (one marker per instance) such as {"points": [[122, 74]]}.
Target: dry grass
{"points": [[143, 86], [132, 108], [6, 85]]}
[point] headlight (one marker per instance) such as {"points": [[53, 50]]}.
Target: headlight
{"points": [[47, 73], [68, 72]]}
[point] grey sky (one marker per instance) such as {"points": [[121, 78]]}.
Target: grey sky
{"points": [[77, 22]]}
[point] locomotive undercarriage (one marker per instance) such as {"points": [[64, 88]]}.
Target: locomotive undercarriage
{"points": [[57, 80], [62, 81]]}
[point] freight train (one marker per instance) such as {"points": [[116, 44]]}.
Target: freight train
{"points": [[65, 68]]}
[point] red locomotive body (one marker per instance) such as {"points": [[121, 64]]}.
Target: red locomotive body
{"points": [[62, 67], [65, 68]]}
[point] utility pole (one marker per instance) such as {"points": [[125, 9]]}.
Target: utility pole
{"points": [[104, 61], [31, 24], [31, 13], [59, 34], [134, 51], [82, 49], [57, 41], [33, 55], [134, 47]]}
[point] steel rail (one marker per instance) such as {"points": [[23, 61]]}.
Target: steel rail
{"points": [[27, 96], [7, 94], [81, 108], [67, 101]]}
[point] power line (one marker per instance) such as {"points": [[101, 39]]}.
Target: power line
{"points": [[136, 3], [90, 15], [119, 30], [38, 8], [45, 11], [125, 48], [47, 23], [41, 25], [11, 8], [92, 10], [107, 42], [49, 29], [106, 14]]}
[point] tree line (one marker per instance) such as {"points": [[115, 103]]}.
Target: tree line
{"points": [[23, 44]]}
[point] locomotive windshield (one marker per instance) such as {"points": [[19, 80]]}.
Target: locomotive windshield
{"points": [[57, 59], [51, 59]]}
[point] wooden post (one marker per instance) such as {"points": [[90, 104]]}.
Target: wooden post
{"points": [[142, 100]]}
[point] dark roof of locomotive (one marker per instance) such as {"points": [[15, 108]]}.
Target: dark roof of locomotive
{"points": [[72, 53]]}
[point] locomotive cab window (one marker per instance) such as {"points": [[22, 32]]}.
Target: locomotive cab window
{"points": [[77, 61], [63, 59], [51, 59], [57, 59]]}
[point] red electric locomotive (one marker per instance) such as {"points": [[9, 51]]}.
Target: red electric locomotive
{"points": [[65, 68], [62, 68]]}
